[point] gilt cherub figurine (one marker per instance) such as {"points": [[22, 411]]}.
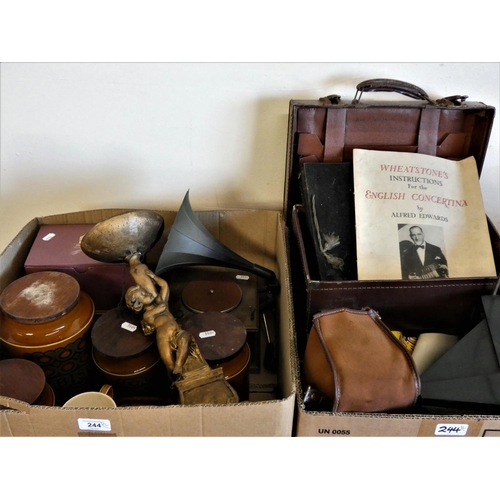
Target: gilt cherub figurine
{"points": [[128, 237], [196, 381], [150, 296]]}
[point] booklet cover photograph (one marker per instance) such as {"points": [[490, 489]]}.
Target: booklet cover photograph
{"points": [[419, 217]]}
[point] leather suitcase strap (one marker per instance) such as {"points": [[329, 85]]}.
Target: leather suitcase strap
{"points": [[335, 135], [428, 131]]}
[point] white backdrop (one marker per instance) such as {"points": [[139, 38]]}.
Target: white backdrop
{"points": [[78, 136]]}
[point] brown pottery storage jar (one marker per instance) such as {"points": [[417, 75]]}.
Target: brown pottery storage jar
{"points": [[45, 318]]}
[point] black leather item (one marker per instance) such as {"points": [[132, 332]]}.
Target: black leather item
{"points": [[470, 371], [328, 198]]}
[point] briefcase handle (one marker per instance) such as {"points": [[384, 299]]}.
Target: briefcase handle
{"points": [[404, 88], [388, 85]]}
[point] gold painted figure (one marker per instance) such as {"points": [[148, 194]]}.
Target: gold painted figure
{"points": [[197, 382], [151, 295], [129, 237]]}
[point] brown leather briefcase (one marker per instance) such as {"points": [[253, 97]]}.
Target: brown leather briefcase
{"points": [[355, 361], [327, 130]]}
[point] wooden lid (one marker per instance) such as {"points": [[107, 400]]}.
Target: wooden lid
{"points": [[118, 334], [207, 296], [21, 379], [40, 297], [218, 335]]}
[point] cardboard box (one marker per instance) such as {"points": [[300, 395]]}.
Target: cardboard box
{"points": [[257, 235], [323, 424], [328, 130], [425, 424]]}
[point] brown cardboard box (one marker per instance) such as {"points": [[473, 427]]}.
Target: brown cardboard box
{"points": [[328, 130], [345, 424], [323, 424], [257, 235]]}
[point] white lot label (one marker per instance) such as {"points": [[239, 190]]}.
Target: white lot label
{"points": [[242, 277], [208, 333], [129, 326], [451, 429], [48, 237], [92, 424]]}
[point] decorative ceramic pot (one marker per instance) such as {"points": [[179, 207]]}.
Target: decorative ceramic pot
{"points": [[221, 338], [24, 380], [235, 371], [126, 358], [45, 318]]}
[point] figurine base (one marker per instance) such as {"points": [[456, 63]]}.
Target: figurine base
{"points": [[205, 386]]}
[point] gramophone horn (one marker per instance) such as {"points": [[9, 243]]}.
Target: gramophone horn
{"points": [[190, 243]]}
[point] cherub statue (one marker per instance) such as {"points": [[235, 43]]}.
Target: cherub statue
{"points": [[128, 237], [150, 296], [196, 381]]}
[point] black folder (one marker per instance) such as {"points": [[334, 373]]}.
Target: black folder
{"points": [[327, 191]]}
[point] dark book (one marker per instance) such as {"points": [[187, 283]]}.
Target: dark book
{"points": [[328, 199]]}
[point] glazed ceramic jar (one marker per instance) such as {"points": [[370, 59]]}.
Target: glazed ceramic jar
{"points": [[221, 338], [25, 381], [126, 358], [45, 318]]}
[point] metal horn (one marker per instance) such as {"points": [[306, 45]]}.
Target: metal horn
{"points": [[189, 243]]}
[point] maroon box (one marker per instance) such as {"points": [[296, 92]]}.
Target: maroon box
{"points": [[57, 248]]}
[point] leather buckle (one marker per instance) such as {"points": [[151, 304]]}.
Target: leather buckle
{"points": [[452, 100]]}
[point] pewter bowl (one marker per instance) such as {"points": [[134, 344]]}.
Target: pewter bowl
{"points": [[116, 238]]}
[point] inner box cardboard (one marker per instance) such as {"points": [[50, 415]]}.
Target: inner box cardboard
{"points": [[257, 235], [327, 130]]}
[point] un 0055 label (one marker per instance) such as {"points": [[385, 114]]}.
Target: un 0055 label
{"points": [[334, 432], [92, 424], [451, 429]]}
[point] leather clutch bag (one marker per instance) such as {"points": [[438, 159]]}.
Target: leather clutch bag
{"points": [[353, 360]]}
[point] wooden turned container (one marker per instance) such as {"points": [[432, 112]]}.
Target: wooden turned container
{"points": [[221, 338], [24, 380], [44, 318], [127, 359]]}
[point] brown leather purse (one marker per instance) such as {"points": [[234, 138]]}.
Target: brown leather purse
{"points": [[354, 360]]}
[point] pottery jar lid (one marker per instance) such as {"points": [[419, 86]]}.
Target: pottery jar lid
{"points": [[118, 334], [21, 379], [218, 335], [40, 297]]}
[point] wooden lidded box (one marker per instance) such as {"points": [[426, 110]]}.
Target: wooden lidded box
{"points": [[327, 131]]}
